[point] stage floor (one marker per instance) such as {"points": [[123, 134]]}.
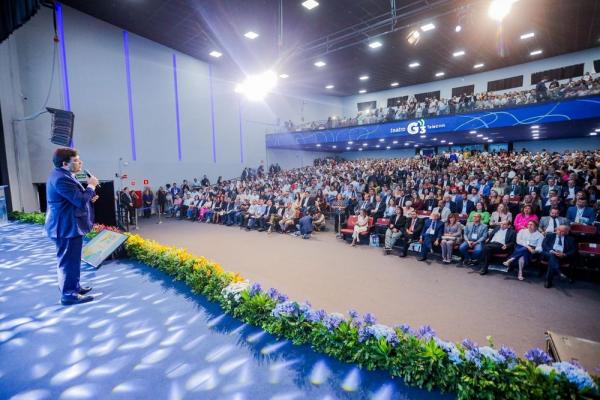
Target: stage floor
{"points": [[148, 337], [456, 301]]}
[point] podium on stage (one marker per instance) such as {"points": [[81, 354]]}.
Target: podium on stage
{"points": [[3, 207]]}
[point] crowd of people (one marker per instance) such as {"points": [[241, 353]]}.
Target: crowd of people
{"points": [[517, 206], [467, 102]]}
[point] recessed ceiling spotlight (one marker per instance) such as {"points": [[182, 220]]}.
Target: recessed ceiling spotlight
{"points": [[427, 27], [485, 138], [350, 142], [318, 145], [320, 63], [360, 149], [417, 145], [414, 64], [361, 91], [329, 87], [472, 132], [535, 131], [382, 140], [534, 126], [438, 74], [597, 130], [413, 37], [406, 144], [536, 52], [365, 144], [535, 137], [480, 135], [528, 35], [377, 146], [394, 84], [251, 35], [388, 147], [490, 140], [458, 28], [395, 142], [215, 54], [364, 77], [347, 148], [593, 133], [334, 147], [375, 45], [310, 4], [423, 136], [480, 65], [458, 53], [451, 143], [434, 139], [442, 141], [284, 76]]}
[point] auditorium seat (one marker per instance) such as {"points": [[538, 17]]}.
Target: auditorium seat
{"points": [[582, 230]]}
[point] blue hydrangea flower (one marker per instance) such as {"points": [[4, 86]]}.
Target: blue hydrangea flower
{"points": [[406, 329], [426, 332], [282, 298], [537, 356], [353, 313], [468, 344], [378, 331], [577, 376], [332, 321], [492, 354], [254, 289], [450, 349], [284, 309], [474, 356], [273, 293], [370, 319]]}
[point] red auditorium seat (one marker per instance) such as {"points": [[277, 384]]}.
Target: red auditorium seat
{"points": [[349, 228], [423, 213], [589, 249], [515, 199], [583, 230], [382, 221]]}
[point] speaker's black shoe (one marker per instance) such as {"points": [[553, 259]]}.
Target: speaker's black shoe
{"points": [[483, 271], [548, 284], [76, 299], [84, 289]]}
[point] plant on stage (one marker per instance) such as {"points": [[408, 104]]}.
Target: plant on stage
{"points": [[254, 308], [31, 217], [97, 228]]}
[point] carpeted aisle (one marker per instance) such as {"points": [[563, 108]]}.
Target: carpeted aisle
{"points": [[456, 302], [147, 337]]}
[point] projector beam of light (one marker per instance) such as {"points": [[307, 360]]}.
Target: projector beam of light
{"points": [[256, 87]]}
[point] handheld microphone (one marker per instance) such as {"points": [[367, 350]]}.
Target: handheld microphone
{"points": [[89, 175]]}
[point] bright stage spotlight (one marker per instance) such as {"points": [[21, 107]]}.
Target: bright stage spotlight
{"points": [[413, 37], [500, 9], [256, 87]]}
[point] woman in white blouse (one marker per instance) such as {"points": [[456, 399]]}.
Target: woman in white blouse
{"points": [[529, 242], [362, 225]]}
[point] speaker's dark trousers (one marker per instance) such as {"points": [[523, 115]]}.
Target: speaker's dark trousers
{"points": [[68, 252]]}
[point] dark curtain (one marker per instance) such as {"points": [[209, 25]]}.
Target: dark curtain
{"points": [[14, 13]]}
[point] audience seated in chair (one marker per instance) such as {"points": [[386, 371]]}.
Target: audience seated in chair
{"points": [[502, 240]]}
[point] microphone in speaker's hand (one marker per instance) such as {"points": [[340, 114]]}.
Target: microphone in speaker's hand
{"points": [[89, 175]]}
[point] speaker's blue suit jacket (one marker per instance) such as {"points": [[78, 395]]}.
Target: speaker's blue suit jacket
{"points": [[68, 214]]}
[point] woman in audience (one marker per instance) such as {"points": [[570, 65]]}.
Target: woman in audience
{"points": [[501, 214], [453, 232], [523, 218], [339, 208], [362, 225], [390, 210], [480, 210], [493, 201], [288, 217], [192, 210], [529, 242], [206, 207]]}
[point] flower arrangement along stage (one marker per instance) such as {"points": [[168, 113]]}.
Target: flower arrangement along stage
{"points": [[418, 356]]}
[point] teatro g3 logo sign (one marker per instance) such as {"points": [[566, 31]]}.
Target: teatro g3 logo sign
{"points": [[417, 127]]}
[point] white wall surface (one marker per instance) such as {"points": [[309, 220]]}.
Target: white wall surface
{"points": [[480, 80], [99, 100]]}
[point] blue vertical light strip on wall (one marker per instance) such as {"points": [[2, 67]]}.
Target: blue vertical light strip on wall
{"points": [[63, 60], [129, 97], [212, 114], [177, 107], [241, 131]]}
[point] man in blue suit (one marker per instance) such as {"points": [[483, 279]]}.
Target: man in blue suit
{"points": [[557, 248], [432, 234], [580, 214], [67, 220]]}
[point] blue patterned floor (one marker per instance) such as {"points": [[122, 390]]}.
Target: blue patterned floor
{"points": [[148, 337]]}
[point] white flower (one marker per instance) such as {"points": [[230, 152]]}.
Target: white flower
{"points": [[235, 289]]}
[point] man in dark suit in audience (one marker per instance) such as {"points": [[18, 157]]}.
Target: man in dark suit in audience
{"points": [[549, 223], [580, 213], [502, 240], [532, 188], [307, 202], [270, 209], [379, 208], [554, 202], [431, 234], [430, 203], [396, 230], [515, 188], [547, 189], [557, 248], [364, 204], [464, 206], [414, 227], [127, 204]]}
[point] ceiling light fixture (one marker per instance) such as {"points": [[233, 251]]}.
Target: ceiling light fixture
{"points": [[284, 76], [334, 147], [534, 126], [361, 91], [364, 77], [387, 147], [476, 66], [500, 9], [535, 131], [450, 143], [320, 63], [417, 145], [413, 37], [251, 35], [256, 87], [318, 145], [394, 84], [458, 28], [215, 54], [528, 35], [347, 148], [329, 87], [472, 132], [480, 135], [350, 142], [458, 53], [375, 45], [490, 140], [377, 146], [536, 52], [310, 4], [382, 140], [423, 136], [414, 64], [406, 144], [442, 141], [427, 27], [598, 130], [365, 144], [360, 149], [593, 133], [438, 74]]}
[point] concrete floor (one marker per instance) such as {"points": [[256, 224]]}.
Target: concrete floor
{"points": [[456, 301]]}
